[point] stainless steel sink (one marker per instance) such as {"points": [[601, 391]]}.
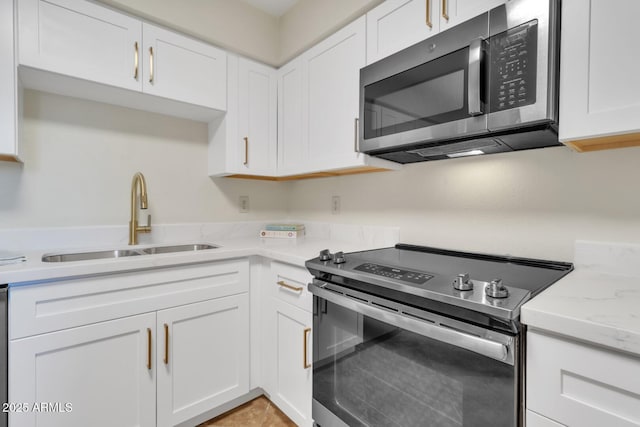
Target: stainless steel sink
{"points": [[85, 256], [119, 253], [178, 248]]}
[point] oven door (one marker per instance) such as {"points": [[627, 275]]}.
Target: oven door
{"points": [[433, 90], [379, 363]]}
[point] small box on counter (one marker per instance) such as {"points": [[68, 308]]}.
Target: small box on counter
{"points": [[281, 234], [284, 227]]}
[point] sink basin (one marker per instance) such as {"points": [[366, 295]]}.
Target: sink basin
{"points": [[85, 256], [119, 253], [178, 248]]}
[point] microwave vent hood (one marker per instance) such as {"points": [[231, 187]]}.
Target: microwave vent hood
{"points": [[487, 85], [526, 139]]}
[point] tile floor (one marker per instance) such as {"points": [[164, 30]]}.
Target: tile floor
{"points": [[259, 412]]}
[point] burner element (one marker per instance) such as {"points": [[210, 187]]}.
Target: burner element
{"points": [[462, 282], [496, 289]]}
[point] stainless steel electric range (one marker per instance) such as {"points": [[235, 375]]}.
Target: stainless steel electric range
{"points": [[418, 336]]}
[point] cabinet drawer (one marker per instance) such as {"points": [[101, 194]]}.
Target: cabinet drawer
{"points": [[582, 385], [289, 283], [50, 306]]}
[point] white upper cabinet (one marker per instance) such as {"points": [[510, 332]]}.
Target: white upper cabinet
{"points": [[81, 39], [183, 69], [599, 85], [8, 102], [397, 24], [453, 12], [67, 46], [257, 118], [244, 141], [330, 101], [291, 153]]}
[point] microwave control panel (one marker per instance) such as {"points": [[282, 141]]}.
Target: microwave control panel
{"points": [[513, 67]]}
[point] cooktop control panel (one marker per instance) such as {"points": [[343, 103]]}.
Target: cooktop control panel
{"points": [[394, 273]]}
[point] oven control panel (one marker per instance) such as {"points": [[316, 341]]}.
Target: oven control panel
{"points": [[394, 273]]}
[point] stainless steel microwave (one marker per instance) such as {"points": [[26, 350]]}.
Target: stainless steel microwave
{"points": [[487, 85]]}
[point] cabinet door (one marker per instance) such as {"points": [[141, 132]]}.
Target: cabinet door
{"points": [[291, 152], [330, 97], [104, 371], [580, 385], [453, 12], [257, 118], [180, 68], [291, 357], [599, 87], [397, 24], [203, 357], [80, 39], [8, 127]]}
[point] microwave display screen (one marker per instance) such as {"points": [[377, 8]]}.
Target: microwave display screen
{"points": [[513, 67], [431, 93]]}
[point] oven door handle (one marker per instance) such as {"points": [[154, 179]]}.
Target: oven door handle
{"points": [[474, 77], [480, 345]]}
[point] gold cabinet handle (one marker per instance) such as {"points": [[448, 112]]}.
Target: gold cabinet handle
{"points": [[305, 365], [246, 150], [149, 348], [288, 286], [135, 61], [429, 23], [150, 64], [166, 344], [445, 11]]}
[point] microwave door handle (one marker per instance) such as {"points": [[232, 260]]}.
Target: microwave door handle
{"points": [[474, 76]]}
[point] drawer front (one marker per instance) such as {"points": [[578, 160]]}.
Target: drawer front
{"points": [[289, 283], [582, 385], [51, 306]]}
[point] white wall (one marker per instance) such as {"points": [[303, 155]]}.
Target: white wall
{"points": [[532, 203], [80, 156]]}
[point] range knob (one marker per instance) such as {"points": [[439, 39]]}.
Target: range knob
{"points": [[462, 282], [338, 258], [325, 255], [496, 289]]}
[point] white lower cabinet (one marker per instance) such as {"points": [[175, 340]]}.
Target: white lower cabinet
{"points": [[575, 384], [203, 357], [104, 371], [288, 342], [154, 348]]}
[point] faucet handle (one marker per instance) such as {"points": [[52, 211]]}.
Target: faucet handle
{"points": [[145, 228]]}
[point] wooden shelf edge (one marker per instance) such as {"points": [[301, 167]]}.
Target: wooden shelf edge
{"points": [[605, 143], [351, 171]]}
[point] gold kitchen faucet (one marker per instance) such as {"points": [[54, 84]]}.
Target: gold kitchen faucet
{"points": [[134, 229]]}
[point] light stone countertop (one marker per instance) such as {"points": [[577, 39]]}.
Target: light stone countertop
{"points": [[598, 303], [232, 244]]}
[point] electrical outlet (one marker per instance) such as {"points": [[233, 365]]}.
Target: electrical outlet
{"points": [[244, 204], [335, 205]]}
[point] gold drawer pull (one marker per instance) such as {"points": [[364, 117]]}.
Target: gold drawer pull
{"points": [[288, 286], [150, 64], [135, 61], [166, 344], [305, 365], [246, 150], [445, 11], [429, 23], [149, 348]]}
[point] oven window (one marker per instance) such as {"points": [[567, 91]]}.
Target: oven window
{"points": [[426, 95], [370, 373]]}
